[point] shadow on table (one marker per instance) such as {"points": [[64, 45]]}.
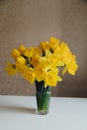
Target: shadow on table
{"points": [[17, 109]]}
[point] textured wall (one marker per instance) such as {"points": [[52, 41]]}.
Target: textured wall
{"points": [[32, 21]]}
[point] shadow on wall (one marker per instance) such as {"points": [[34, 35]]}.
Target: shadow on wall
{"points": [[3, 2], [84, 1]]}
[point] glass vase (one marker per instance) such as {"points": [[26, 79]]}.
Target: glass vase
{"points": [[43, 102], [43, 96]]}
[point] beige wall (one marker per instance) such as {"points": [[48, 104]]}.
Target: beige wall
{"points": [[32, 21]]}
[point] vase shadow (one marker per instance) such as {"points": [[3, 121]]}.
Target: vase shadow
{"points": [[17, 109]]}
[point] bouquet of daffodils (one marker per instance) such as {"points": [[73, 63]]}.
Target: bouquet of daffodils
{"points": [[42, 63]]}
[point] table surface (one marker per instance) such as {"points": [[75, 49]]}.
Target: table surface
{"points": [[19, 113]]}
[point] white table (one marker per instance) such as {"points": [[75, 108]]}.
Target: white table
{"points": [[19, 113]]}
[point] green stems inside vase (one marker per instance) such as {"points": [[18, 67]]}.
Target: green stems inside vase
{"points": [[43, 102], [43, 98]]}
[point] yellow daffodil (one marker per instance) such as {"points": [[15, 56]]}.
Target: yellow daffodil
{"points": [[44, 45], [31, 51], [10, 69], [15, 53], [21, 60], [42, 63], [72, 67], [35, 59], [69, 59], [27, 72], [22, 49], [54, 42], [52, 78], [54, 60], [41, 69]]}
